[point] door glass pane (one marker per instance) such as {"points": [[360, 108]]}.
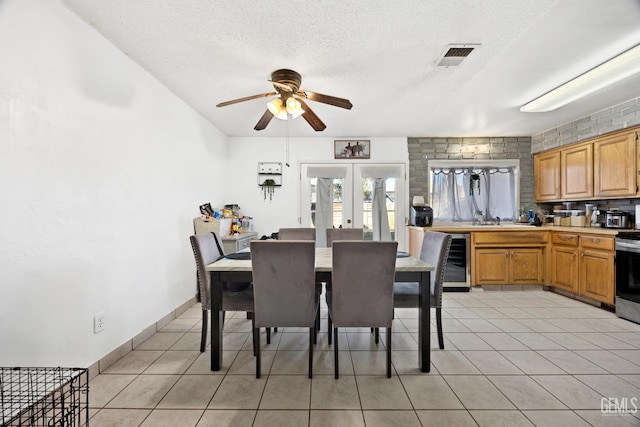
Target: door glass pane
{"points": [[337, 203], [368, 185]]}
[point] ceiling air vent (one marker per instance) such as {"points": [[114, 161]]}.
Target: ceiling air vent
{"points": [[454, 54]]}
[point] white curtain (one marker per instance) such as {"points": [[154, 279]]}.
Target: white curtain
{"points": [[324, 210], [380, 217]]}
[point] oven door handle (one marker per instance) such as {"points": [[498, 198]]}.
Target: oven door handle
{"points": [[627, 247]]}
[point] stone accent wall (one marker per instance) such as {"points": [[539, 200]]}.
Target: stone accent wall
{"points": [[423, 149], [619, 116]]}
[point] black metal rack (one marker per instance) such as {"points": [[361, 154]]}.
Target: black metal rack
{"points": [[44, 396]]}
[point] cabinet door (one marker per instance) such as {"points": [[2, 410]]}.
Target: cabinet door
{"points": [[564, 267], [576, 171], [614, 163], [596, 275], [491, 267], [526, 266], [546, 174]]}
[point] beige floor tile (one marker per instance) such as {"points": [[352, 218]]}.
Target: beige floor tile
{"points": [[509, 325], [160, 341], [194, 312], [492, 363], [180, 325], [282, 418], [459, 313], [323, 363], [531, 362], [452, 362], [380, 392], [525, 393], [227, 418], [632, 356], [501, 341], [236, 341], [610, 386], [570, 391], [406, 363], [598, 419], [290, 362], [364, 341], [477, 392], [173, 362], [430, 392], [189, 341], [627, 337], [135, 362], [391, 418], [286, 392], [245, 363], [191, 392], [329, 393], [105, 387], [481, 325], [238, 392], [570, 325], [144, 392], [293, 341], [610, 361], [605, 341], [402, 341], [119, 417], [570, 341], [539, 325], [631, 379], [172, 418], [536, 341], [452, 418], [202, 364], [370, 362], [488, 418], [488, 313], [451, 325], [237, 325], [326, 418], [571, 362], [515, 313], [555, 418], [467, 341]]}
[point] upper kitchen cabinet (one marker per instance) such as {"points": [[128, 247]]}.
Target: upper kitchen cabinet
{"points": [[615, 165], [576, 172], [546, 172]]}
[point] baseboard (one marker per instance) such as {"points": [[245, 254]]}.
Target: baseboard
{"points": [[123, 349]]}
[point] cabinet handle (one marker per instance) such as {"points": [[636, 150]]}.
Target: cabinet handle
{"points": [[582, 254]]}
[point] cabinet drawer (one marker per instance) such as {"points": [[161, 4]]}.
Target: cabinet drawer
{"points": [[564, 239], [598, 242], [510, 238], [244, 243]]}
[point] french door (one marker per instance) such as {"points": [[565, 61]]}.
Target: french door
{"points": [[351, 195]]}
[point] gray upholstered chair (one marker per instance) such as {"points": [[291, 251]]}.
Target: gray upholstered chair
{"points": [[284, 288], [234, 298], [335, 234], [434, 251], [362, 288]]}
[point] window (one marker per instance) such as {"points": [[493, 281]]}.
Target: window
{"points": [[460, 188]]}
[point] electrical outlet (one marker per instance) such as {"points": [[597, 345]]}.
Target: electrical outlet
{"points": [[98, 322]]}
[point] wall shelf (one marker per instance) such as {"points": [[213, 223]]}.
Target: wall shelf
{"points": [[270, 171]]}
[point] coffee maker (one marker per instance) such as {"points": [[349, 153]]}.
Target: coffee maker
{"points": [[422, 216]]}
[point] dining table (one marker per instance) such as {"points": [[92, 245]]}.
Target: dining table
{"points": [[408, 269]]}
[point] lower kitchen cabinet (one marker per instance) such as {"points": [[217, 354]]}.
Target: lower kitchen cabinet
{"points": [[564, 261], [501, 266]]}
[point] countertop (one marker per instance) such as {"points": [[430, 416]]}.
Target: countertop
{"points": [[458, 227], [233, 237]]}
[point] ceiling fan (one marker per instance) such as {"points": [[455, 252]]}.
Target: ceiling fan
{"points": [[290, 101]]}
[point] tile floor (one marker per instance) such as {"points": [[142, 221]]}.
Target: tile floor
{"points": [[511, 358]]}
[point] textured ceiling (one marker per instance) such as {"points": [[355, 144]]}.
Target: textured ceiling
{"points": [[379, 54]]}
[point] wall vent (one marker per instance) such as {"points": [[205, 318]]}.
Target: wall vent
{"points": [[454, 54]]}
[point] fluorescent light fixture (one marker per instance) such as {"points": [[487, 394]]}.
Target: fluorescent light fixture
{"points": [[618, 68]]}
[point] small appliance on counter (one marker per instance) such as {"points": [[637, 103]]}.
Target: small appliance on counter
{"points": [[615, 218], [421, 216]]}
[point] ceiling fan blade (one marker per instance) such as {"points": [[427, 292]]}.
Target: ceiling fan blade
{"points": [[326, 99], [311, 118], [264, 120], [246, 98]]}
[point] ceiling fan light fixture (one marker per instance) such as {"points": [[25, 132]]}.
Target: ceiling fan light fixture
{"points": [[276, 108], [294, 107], [618, 68]]}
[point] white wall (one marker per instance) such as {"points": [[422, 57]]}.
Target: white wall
{"points": [[244, 154], [101, 171]]}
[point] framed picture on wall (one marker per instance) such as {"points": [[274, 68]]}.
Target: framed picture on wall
{"points": [[352, 149]]}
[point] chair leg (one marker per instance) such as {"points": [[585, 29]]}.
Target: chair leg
{"points": [[329, 328], [377, 335], [249, 315], [312, 340], [205, 322], [256, 350], [439, 326], [253, 328], [389, 352], [268, 335], [335, 353], [275, 330]]}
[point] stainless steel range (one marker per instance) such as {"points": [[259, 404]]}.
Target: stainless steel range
{"points": [[628, 276]]}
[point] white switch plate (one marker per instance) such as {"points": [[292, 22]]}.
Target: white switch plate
{"points": [[98, 322]]}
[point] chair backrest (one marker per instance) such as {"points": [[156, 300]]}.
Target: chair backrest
{"points": [[435, 251], [205, 252], [284, 279], [362, 283], [334, 234], [297, 234]]}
